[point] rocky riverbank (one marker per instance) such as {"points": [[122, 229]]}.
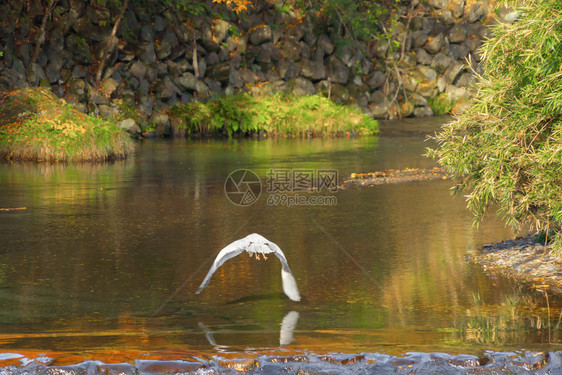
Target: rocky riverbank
{"points": [[159, 60], [523, 259], [520, 362]]}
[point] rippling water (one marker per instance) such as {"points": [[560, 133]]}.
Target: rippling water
{"points": [[104, 260]]}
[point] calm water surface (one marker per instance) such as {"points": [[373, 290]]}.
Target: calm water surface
{"points": [[104, 261]]}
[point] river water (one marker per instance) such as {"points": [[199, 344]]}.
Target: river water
{"points": [[103, 261]]}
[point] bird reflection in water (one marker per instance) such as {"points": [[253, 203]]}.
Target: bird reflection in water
{"points": [[288, 325]]}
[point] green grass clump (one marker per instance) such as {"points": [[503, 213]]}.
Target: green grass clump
{"points": [[506, 149], [36, 125], [441, 105], [275, 115]]}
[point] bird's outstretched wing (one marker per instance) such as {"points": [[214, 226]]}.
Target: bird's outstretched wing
{"points": [[289, 282], [225, 254]]}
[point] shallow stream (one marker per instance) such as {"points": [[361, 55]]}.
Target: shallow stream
{"points": [[102, 261]]}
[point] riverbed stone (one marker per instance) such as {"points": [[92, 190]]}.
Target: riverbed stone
{"points": [[220, 30], [457, 7], [76, 89], [117, 368], [418, 100], [474, 12], [220, 73], [267, 52], [235, 80], [212, 58], [465, 80], [455, 94], [183, 65], [427, 88], [165, 89], [340, 93], [380, 49], [287, 69], [411, 79], [458, 33], [81, 53], [322, 87], [472, 43], [434, 44], [380, 110], [164, 49], [419, 38], [249, 78], [208, 86], [167, 367], [56, 41], [162, 124], [109, 85], [19, 67], [427, 72], [441, 83], [261, 34], [458, 51], [145, 105], [422, 57], [148, 57], [23, 52], [337, 70], [291, 49], [440, 62], [108, 111], [35, 74], [187, 81], [95, 96], [312, 70], [453, 71], [428, 24], [201, 88], [405, 109], [302, 87], [423, 112], [325, 44]]}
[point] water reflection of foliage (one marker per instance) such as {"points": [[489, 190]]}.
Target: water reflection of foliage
{"points": [[63, 183], [513, 322]]}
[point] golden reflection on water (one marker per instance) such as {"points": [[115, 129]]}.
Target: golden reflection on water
{"points": [[104, 262]]}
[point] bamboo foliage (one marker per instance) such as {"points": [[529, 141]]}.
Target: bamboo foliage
{"points": [[506, 149]]}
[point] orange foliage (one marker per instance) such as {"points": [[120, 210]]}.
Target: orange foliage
{"points": [[236, 5]]}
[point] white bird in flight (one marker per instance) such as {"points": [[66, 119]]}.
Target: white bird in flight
{"points": [[255, 244]]}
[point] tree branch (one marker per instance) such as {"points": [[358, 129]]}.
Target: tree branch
{"points": [[41, 34], [110, 42]]}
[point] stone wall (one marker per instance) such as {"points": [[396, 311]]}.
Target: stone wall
{"points": [[160, 60]]}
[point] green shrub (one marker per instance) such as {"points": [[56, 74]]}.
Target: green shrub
{"points": [[507, 148], [36, 125], [441, 105], [275, 114]]}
